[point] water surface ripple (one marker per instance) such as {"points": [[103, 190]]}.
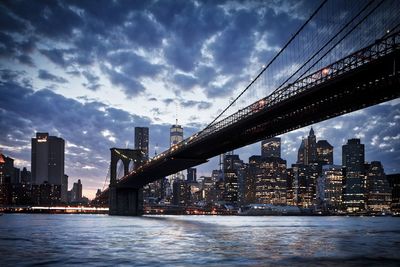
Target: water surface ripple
{"points": [[101, 240]]}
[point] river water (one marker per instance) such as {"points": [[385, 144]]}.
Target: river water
{"points": [[101, 240]]}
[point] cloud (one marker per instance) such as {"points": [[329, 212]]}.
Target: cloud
{"points": [[93, 81], [130, 86], [92, 128], [133, 65], [185, 82], [55, 55], [55, 20], [199, 104], [45, 75]]}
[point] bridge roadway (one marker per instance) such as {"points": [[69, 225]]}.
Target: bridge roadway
{"points": [[367, 77]]}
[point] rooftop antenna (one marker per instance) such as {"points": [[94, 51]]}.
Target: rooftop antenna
{"points": [[155, 149], [176, 112]]}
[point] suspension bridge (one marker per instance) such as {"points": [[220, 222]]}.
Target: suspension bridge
{"points": [[320, 73]]}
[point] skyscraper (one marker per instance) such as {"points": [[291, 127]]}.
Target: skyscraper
{"points": [[266, 181], [175, 137], [307, 152], [48, 161], [6, 169], [324, 152], [353, 157], [379, 195], [176, 134], [142, 140], [330, 187], [271, 147], [191, 175], [302, 154], [77, 191], [312, 147]]}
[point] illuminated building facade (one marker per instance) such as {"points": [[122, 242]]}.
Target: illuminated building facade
{"points": [[307, 152], [324, 152], [48, 161], [303, 185], [353, 157], [142, 140], [267, 181], [6, 169], [181, 193], [271, 148], [330, 186], [378, 193], [394, 181], [176, 134]]}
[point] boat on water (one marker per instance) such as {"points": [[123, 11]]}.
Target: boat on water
{"points": [[269, 209]]}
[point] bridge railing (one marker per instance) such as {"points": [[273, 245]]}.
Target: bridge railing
{"points": [[370, 53], [380, 48]]}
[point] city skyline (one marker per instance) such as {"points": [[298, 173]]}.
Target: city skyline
{"points": [[93, 78]]}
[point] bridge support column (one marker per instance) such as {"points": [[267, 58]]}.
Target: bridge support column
{"points": [[126, 201]]}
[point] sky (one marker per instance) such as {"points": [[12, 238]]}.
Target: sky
{"points": [[91, 71]]}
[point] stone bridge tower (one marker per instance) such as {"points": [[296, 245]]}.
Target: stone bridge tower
{"points": [[125, 200]]}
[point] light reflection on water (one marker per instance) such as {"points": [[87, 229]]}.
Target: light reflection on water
{"points": [[40, 239]]}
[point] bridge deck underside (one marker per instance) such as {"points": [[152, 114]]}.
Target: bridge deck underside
{"points": [[370, 84]]}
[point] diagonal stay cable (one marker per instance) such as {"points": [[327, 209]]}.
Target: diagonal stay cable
{"points": [[268, 65], [324, 46], [330, 49]]}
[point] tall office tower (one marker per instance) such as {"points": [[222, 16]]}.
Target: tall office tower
{"points": [[25, 176], [312, 147], [302, 154], [181, 193], [379, 195], [324, 152], [142, 140], [290, 200], [304, 181], [64, 184], [329, 187], [6, 169], [271, 148], [233, 168], [77, 191], [191, 175], [268, 179], [394, 181], [307, 152], [47, 161], [353, 157], [176, 134]]}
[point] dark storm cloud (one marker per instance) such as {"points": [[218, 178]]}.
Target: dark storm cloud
{"points": [[101, 31], [189, 26], [45, 75], [230, 52], [52, 19], [151, 37]]}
